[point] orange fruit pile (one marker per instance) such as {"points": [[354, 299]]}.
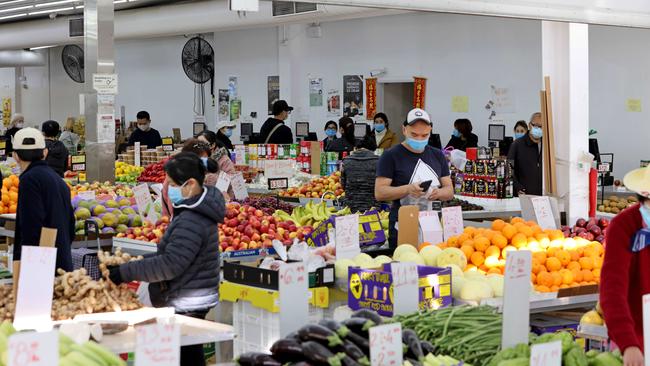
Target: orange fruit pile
{"points": [[9, 195], [558, 262]]}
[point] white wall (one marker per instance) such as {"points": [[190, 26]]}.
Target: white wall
{"points": [[7, 87]]}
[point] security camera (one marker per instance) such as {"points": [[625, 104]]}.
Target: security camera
{"points": [[53, 15], [377, 72]]}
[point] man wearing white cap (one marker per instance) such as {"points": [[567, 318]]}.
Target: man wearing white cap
{"points": [[43, 199], [224, 132], [412, 170], [625, 276]]}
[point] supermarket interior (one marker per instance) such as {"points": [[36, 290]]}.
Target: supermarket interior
{"points": [[324, 182]]}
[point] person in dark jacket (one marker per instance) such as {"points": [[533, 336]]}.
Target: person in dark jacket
{"points": [[358, 175], [274, 131], [526, 155], [145, 135], [43, 199], [57, 154], [184, 272], [224, 132], [462, 137], [330, 131], [17, 122], [346, 142]]}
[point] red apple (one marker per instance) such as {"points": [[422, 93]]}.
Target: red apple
{"points": [[581, 223], [596, 230], [603, 223]]}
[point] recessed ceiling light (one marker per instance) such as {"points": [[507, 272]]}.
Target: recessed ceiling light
{"points": [[13, 16], [15, 9], [55, 3], [50, 11]]}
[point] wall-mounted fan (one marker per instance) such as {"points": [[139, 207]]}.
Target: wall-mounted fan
{"points": [[72, 58], [198, 63]]}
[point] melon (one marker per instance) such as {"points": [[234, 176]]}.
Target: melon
{"points": [[403, 248]]}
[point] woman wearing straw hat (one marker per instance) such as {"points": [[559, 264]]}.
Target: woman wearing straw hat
{"points": [[625, 275]]}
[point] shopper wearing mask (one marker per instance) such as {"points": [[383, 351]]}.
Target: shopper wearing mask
{"points": [[224, 132], [17, 122], [358, 174], [384, 137], [462, 136], [220, 153], [526, 155], [184, 272], [43, 199], [145, 135], [345, 143], [330, 132], [401, 169], [57, 154], [520, 129], [274, 131], [625, 275]]}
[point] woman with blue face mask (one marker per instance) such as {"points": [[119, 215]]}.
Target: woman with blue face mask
{"points": [[184, 271], [384, 137], [224, 133], [462, 136], [521, 129], [330, 133], [625, 275]]}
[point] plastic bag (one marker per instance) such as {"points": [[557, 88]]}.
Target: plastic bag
{"points": [[458, 158]]}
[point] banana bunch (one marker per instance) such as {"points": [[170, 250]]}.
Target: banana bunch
{"points": [[311, 214]]}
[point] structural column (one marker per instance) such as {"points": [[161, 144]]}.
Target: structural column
{"points": [[565, 54], [99, 59]]}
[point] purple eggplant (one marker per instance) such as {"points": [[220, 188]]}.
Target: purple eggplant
{"points": [[320, 355], [335, 326], [256, 359], [368, 314], [287, 350], [359, 325], [318, 333]]}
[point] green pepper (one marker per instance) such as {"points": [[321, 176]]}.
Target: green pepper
{"points": [[575, 357], [522, 361]]}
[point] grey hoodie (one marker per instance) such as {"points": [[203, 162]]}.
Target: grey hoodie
{"points": [[184, 273]]}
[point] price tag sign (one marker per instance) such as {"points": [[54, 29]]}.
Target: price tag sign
{"points": [[452, 221], [405, 287], [240, 155], [543, 212], [158, 345], [144, 202], [347, 236], [223, 181], [516, 298], [294, 295], [168, 144], [603, 168], [33, 349], [78, 163], [136, 153], [3, 148], [546, 354], [386, 345], [278, 183], [239, 186], [86, 195], [278, 168], [36, 280], [430, 227], [105, 83]]}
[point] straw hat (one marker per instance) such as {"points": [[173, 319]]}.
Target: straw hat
{"points": [[638, 181]]}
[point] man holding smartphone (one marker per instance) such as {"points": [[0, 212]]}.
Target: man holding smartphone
{"points": [[412, 170]]}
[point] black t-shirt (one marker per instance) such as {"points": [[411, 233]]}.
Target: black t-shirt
{"points": [[400, 165]]}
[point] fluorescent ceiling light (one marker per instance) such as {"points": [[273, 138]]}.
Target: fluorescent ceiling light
{"points": [[79, 7], [13, 16], [48, 11], [12, 2], [15, 9], [119, 1], [55, 3], [41, 47]]}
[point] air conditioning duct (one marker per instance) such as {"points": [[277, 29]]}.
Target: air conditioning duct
{"points": [[21, 58]]}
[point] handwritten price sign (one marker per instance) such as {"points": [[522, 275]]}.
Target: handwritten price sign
{"points": [[347, 236], [543, 212], [452, 221], [223, 181], [239, 186], [158, 345], [546, 354], [516, 308], [33, 349], [34, 301], [386, 345], [294, 298], [405, 287]]}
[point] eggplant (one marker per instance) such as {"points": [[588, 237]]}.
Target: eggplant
{"points": [[315, 332], [359, 341], [428, 348], [287, 350], [348, 361], [256, 359], [368, 314], [354, 352], [335, 326], [301, 363], [413, 343], [319, 355], [359, 325], [293, 335]]}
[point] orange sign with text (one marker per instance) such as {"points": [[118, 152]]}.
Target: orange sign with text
{"points": [[419, 91], [371, 97]]}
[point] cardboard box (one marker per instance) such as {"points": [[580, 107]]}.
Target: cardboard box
{"points": [[372, 288], [370, 231], [250, 274]]}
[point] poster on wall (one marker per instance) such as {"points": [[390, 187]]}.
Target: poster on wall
{"points": [[273, 91], [502, 100], [105, 128], [224, 105], [6, 111], [333, 103], [352, 95], [371, 98], [315, 92], [235, 109], [419, 92], [232, 87]]}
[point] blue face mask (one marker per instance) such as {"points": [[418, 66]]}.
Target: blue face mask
{"points": [[519, 135], [536, 132], [228, 132], [417, 145], [456, 133], [645, 213], [205, 161], [175, 194], [330, 133], [379, 127]]}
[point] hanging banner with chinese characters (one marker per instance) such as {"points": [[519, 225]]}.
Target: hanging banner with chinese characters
{"points": [[371, 97], [6, 111], [419, 91]]}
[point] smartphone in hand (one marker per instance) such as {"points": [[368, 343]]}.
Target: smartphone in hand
{"points": [[425, 185]]}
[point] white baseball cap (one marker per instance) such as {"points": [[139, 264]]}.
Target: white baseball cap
{"points": [[28, 139], [638, 181], [418, 114], [222, 124]]}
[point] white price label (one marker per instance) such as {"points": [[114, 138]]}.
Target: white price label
{"points": [[158, 345], [223, 181], [347, 236], [543, 212], [239, 186], [86, 195], [546, 354], [145, 205], [279, 168], [430, 227], [294, 297], [516, 298], [33, 349], [36, 280], [386, 345], [452, 221], [405, 287]]}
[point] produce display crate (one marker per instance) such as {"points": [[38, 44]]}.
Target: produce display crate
{"points": [[247, 254], [575, 297], [250, 274], [372, 289], [268, 300]]}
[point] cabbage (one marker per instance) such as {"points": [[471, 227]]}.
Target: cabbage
{"points": [[474, 290], [430, 255], [457, 284], [496, 282], [402, 249], [452, 256], [412, 258]]}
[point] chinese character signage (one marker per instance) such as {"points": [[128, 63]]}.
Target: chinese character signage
{"points": [[371, 97], [419, 91]]}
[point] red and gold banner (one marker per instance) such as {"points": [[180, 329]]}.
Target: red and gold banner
{"points": [[371, 98], [419, 91]]}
